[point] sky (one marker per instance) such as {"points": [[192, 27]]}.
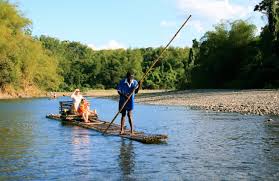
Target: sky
{"points": [[111, 24]]}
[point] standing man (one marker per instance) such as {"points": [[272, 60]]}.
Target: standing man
{"points": [[124, 89]]}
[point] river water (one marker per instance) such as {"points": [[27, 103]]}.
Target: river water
{"points": [[201, 146]]}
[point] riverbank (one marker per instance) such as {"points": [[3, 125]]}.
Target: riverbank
{"points": [[260, 102], [30, 92], [112, 93]]}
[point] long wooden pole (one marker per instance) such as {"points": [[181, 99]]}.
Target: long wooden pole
{"points": [[146, 73]]}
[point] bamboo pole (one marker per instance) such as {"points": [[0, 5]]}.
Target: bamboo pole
{"points": [[146, 73]]}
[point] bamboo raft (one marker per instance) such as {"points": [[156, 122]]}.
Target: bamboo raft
{"points": [[100, 126]]}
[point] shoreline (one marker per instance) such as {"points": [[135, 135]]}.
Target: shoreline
{"points": [[257, 101]]}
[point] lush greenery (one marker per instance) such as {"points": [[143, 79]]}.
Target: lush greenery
{"points": [[230, 56], [24, 64], [83, 67]]}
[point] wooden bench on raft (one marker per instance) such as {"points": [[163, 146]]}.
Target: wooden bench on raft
{"points": [[67, 113]]}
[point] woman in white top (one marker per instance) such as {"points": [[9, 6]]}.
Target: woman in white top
{"points": [[76, 96]]}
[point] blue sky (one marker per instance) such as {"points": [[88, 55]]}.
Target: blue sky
{"points": [[108, 24]]}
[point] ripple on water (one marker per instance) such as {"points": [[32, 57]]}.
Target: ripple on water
{"points": [[202, 145]]}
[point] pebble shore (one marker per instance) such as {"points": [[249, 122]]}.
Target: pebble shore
{"points": [[259, 102]]}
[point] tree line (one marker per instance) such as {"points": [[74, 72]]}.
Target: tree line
{"points": [[83, 67], [24, 63], [230, 56]]}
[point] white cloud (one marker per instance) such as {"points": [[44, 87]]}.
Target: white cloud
{"points": [[214, 9], [165, 23], [258, 31], [111, 45], [92, 46], [197, 25]]}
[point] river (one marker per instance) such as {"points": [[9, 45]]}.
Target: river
{"points": [[201, 146]]}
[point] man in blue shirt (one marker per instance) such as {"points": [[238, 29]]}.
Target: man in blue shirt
{"points": [[124, 89]]}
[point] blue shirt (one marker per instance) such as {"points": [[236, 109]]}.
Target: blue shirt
{"points": [[125, 88]]}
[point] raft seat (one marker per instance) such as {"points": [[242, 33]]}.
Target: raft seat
{"points": [[66, 107], [67, 113]]}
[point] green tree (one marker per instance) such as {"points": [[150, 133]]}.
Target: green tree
{"points": [[271, 9], [269, 43], [24, 63], [222, 54]]}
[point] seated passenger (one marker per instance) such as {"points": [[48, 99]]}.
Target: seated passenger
{"points": [[83, 110], [93, 112], [76, 97]]}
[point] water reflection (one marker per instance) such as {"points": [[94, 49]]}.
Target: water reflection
{"points": [[126, 158], [79, 138], [80, 142]]}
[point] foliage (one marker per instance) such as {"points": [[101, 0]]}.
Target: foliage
{"points": [[23, 61], [84, 67], [222, 54], [269, 43], [230, 56]]}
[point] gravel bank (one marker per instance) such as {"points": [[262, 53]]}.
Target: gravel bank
{"points": [[260, 102]]}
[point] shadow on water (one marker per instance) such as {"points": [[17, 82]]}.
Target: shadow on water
{"points": [[271, 150], [126, 158]]}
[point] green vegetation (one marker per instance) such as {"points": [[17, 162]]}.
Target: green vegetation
{"points": [[83, 67], [230, 56], [24, 64]]}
